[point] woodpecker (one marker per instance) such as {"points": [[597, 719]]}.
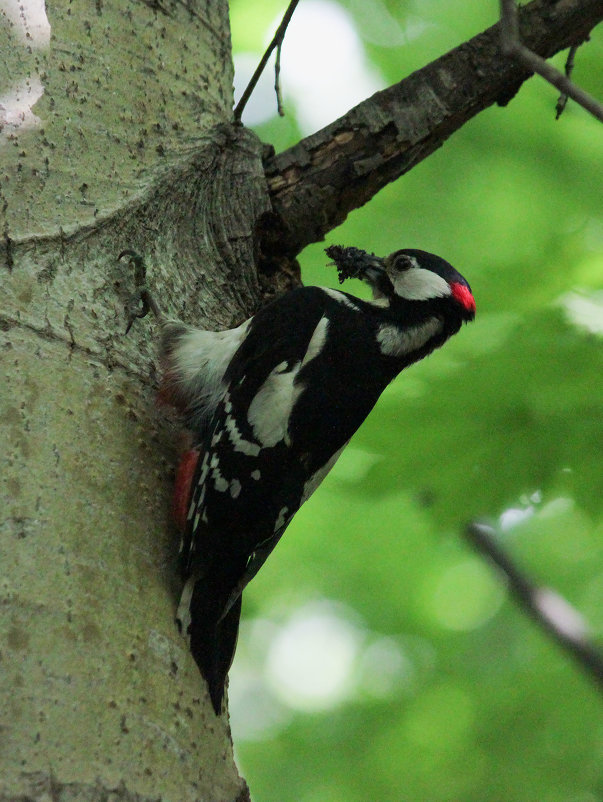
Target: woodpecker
{"points": [[271, 404]]}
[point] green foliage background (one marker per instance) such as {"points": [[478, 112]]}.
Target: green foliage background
{"points": [[480, 705]]}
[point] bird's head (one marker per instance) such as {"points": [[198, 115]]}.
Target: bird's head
{"points": [[408, 277]]}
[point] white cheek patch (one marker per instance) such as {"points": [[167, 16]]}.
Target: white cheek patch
{"points": [[418, 284], [395, 341]]}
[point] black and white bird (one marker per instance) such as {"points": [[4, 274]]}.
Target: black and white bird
{"points": [[271, 404]]}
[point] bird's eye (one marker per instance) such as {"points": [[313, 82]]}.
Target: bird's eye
{"points": [[402, 262]]}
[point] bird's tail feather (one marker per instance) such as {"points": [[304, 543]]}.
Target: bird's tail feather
{"points": [[213, 635]]}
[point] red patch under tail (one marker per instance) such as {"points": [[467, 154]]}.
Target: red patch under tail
{"points": [[182, 487]]}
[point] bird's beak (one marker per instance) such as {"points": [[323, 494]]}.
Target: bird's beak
{"points": [[355, 263], [372, 270]]}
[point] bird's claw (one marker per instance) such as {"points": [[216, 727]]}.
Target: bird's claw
{"points": [[141, 302], [137, 299]]}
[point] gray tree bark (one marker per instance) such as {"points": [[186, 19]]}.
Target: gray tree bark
{"points": [[128, 146]]}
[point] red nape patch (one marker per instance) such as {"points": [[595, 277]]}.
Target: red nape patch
{"points": [[182, 487], [463, 296]]}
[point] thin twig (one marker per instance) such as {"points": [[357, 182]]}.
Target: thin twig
{"points": [[277, 83], [569, 68], [277, 41], [547, 607], [512, 46]]}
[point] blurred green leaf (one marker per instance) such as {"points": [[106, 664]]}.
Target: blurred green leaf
{"points": [[504, 423]]}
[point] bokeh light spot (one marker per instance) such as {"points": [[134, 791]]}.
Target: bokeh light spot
{"points": [[311, 660], [466, 595]]}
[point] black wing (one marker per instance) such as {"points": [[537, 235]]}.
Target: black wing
{"points": [[297, 389]]}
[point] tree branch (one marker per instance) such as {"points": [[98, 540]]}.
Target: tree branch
{"points": [[277, 42], [550, 610], [316, 183], [569, 67], [512, 45]]}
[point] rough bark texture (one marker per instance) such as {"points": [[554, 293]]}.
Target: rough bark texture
{"points": [[47, 788], [99, 696], [316, 183]]}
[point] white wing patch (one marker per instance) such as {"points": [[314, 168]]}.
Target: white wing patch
{"points": [[220, 483], [341, 297], [238, 441], [418, 284], [269, 411], [394, 341], [199, 492], [317, 340]]}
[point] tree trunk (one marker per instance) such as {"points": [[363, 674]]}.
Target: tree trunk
{"points": [[130, 149]]}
